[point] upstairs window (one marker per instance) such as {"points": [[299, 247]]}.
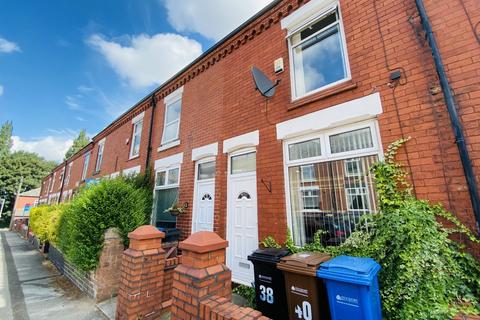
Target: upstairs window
{"points": [[136, 138], [69, 173], [101, 147], [86, 160], [173, 108], [318, 54]]}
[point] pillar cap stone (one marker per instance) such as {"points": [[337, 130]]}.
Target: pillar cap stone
{"points": [[203, 241], [146, 232]]}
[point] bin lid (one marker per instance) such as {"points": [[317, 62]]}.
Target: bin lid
{"points": [[305, 263], [350, 269], [269, 255]]}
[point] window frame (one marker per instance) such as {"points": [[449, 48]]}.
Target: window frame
{"points": [[327, 157], [169, 101], [135, 125], [167, 170], [69, 173], [313, 19], [101, 150], [85, 164]]}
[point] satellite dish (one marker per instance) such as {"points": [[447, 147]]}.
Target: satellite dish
{"points": [[264, 85]]}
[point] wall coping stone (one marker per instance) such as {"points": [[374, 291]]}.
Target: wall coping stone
{"points": [[146, 232], [203, 242]]}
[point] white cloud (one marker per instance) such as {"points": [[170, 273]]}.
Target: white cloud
{"points": [[147, 60], [49, 147], [8, 46], [72, 103], [1, 90], [213, 19], [83, 88]]}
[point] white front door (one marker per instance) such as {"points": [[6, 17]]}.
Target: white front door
{"points": [[203, 208], [242, 222]]}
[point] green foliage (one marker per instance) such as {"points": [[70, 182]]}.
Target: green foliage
{"points": [[270, 242], [246, 292], [81, 141], [111, 203], [425, 274], [20, 164], [5, 138], [45, 220]]}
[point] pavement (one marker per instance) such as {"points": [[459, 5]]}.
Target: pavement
{"points": [[31, 288]]}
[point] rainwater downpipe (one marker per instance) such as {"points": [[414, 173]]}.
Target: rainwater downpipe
{"points": [[452, 111], [150, 133]]}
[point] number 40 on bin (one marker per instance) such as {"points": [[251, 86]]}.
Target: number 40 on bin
{"points": [[304, 312]]}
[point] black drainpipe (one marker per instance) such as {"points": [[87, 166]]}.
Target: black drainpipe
{"points": [[452, 111], [149, 149], [63, 181]]}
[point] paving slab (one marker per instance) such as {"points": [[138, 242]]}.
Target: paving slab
{"points": [[37, 289]]}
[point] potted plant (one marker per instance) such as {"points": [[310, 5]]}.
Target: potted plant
{"points": [[175, 209]]}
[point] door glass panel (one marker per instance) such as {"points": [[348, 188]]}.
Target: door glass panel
{"points": [[206, 170], [243, 163]]}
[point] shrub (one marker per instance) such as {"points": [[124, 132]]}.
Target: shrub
{"points": [[425, 274], [44, 221], [111, 203]]}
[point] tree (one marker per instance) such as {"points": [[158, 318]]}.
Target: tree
{"points": [[14, 166], [5, 138], [81, 141]]}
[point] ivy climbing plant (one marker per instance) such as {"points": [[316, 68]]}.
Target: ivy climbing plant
{"points": [[425, 274]]}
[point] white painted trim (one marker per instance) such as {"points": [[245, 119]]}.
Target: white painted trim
{"points": [[349, 112], [306, 14], [175, 159], [133, 170], [115, 174], [138, 117], [210, 150], [168, 145], [246, 140], [174, 96], [102, 141]]}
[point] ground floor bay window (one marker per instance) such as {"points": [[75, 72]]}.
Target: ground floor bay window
{"points": [[166, 196], [329, 184]]}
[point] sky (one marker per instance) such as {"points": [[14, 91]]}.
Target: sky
{"points": [[72, 65]]}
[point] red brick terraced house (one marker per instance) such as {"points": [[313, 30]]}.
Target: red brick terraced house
{"points": [[354, 77]]}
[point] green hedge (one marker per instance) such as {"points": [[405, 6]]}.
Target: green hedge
{"points": [[44, 222], [118, 203]]}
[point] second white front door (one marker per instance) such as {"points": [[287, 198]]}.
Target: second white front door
{"points": [[242, 221], [203, 208]]}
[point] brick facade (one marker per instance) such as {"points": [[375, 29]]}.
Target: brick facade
{"points": [[219, 101]]}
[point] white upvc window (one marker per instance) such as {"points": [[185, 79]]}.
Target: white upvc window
{"points": [[329, 186], [317, 47], [86, 160], [167, 178], [69, 173], [101, 147], [136, 138], [173, 109], [53, 181]]}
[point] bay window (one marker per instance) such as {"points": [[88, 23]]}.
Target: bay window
{"points": [[165, 195], [330, 187]]}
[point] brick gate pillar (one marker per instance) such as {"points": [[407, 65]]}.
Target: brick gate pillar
{"points": [[203, 273], [142, 275]]}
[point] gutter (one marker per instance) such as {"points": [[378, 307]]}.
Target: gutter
{"points": [[452, 111]]}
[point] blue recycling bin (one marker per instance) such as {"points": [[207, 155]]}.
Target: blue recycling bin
{"points": [[352, 288]]}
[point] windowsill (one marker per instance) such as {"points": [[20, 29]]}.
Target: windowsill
{"points": [[168, 145], [133, 157], [342, 87], [96, 172]]}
